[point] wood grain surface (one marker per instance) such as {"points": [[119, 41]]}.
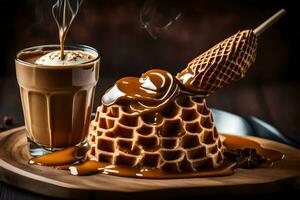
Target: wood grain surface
{"points": [[14, 170]]}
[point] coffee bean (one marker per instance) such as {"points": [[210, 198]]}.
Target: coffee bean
{"points": [[8, 120], [2, 128]]}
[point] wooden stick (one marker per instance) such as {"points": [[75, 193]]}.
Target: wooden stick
{"points": [[269, 22]]}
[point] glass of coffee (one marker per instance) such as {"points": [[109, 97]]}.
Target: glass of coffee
{"points": [[57, 95]]}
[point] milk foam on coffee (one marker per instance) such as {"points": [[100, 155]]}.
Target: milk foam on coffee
{"points": [[70, 58]]}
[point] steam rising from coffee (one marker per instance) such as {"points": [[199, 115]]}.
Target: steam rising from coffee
{"points": [[64, 13], [157, 16]]}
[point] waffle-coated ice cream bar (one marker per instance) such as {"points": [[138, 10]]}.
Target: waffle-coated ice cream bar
{"points": [[219, 66]]}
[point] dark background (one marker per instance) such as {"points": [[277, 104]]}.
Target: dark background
{"points": [[270, 91], [114, 28]]}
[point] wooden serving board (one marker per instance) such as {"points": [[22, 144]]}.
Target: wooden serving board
{"points": [[15, 170]]}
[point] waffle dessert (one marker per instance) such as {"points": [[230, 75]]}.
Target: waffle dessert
{"points": [[177, 136], [224, 63]]}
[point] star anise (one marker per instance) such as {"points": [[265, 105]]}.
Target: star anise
{"points": [[249, 158], [246, 158]]}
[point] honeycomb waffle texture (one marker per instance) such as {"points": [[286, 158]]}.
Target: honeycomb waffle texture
{"points": [[224, 63], [181, 137]]}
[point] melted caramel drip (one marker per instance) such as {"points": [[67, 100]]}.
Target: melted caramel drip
{"points": [[61, 158], [70, 159], [151, 92]]}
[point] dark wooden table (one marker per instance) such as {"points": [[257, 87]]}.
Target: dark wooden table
{"points": [[276, 103]]}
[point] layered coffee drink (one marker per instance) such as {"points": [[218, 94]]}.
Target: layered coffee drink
{"points": [[57, 94], [57, 87]]}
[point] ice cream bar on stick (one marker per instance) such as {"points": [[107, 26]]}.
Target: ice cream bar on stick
{"points": [[224, 63]]}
